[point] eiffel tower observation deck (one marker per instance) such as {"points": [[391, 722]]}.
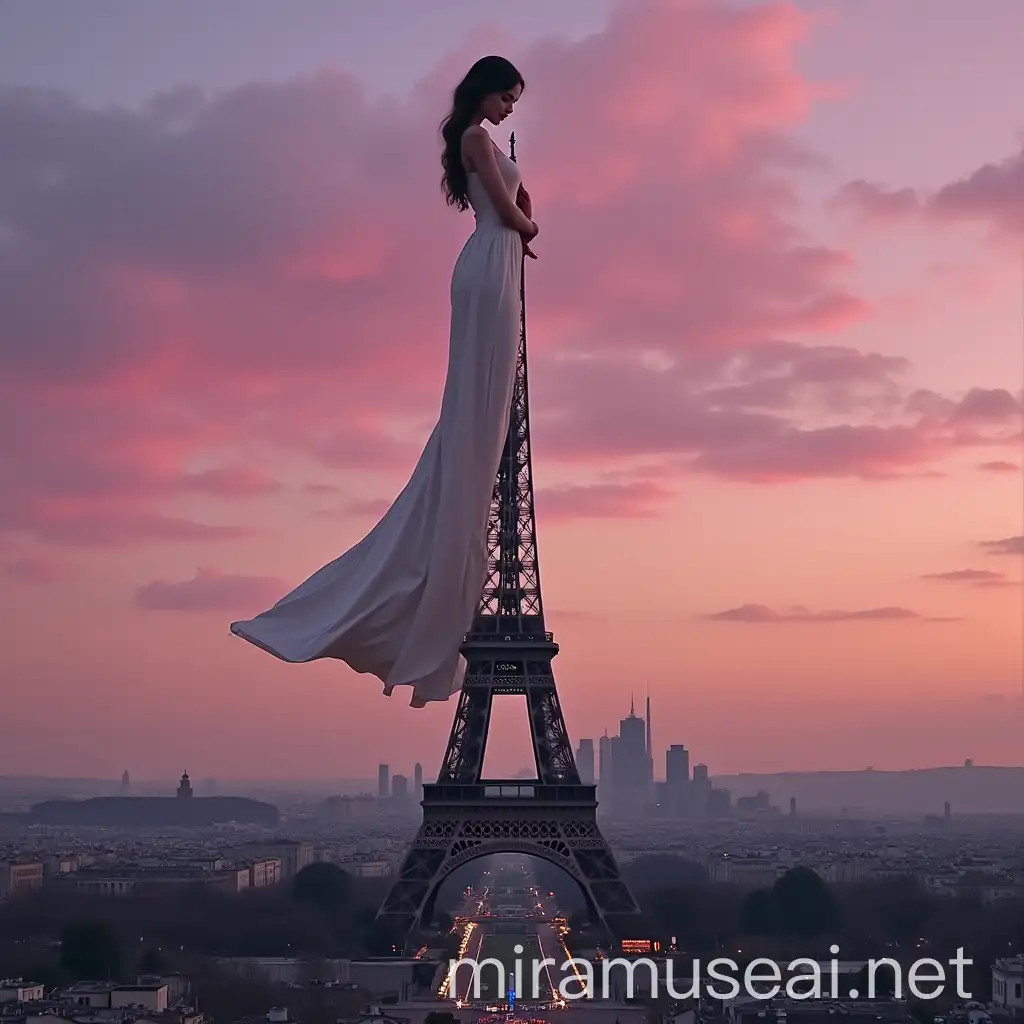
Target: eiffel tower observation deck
{"points": [[509, 650]]}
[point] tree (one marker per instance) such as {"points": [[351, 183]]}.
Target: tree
{"points": [[664, 870], [804, 904], [758, 913], [91, 951], [323, 885]]}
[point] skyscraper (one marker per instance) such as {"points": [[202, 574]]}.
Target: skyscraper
{"points": [[677, 765], [604, 764], [585, 761], [650, 745], [700, 791], [417, 781], [383, 781], [631, 766], [678, 788]]}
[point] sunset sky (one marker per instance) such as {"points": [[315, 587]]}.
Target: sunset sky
{"points": [[777, 361]]}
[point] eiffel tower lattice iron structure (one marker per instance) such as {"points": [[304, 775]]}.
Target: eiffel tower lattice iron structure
{"points": [[509, 651]]}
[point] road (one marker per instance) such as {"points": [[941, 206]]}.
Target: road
{"points": [[509, 932]]}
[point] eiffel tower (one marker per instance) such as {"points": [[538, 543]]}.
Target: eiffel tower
{"points": [[509, 651]]}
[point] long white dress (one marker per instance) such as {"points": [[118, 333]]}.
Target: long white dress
{"points": [[397, 604]]}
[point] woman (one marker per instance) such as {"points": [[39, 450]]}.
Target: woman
{"points": [[398, 603]]}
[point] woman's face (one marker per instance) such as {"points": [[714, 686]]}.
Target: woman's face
{"points": [[498, 105]]}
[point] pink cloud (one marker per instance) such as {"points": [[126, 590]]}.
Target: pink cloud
{"points": [[628, 500], [266, 269], [1006, 546], [992, 193], [320, 488], [999, 466], [759, 613], [231, 482], [34, 570], [774, 412], [356, 508], [976, 577], [210, 590]]}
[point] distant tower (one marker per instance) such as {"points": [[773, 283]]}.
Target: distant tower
{"points": [[585, 761], [604, 760], [650, 743], [417, 780], [400, 788], [383, 781], [677, 766], [184, 787], [701, 791], [792, 806], [126, 783], [947, 810]]}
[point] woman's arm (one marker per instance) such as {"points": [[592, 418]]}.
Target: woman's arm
{"points": [[477, 145], [525, 203]]}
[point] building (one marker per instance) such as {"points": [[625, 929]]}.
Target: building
{"points": [[700, 791], [1008, 984], [17, 990], [677, 765], [366, 867], [231, 880], [264, 873], [184, 787], [585, 762], [19, 877], [383, 781], [677, 781], [400, 788], [750, 872], [348, 808], [604, 763], [105, 995], [630, 788], [146, 997], [293, 855]]}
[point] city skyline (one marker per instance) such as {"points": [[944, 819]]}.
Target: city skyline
{"points": [[776, 371], [593, 756]]}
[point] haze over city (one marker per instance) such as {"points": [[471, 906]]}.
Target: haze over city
{"points": [[775, 351]]}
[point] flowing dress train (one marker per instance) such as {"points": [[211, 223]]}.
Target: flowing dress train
{"points": [[398, 603]]}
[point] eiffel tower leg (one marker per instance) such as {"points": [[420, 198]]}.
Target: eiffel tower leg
{"points": [[464, 756], [551, 748], [410, 901], [563, 833]]}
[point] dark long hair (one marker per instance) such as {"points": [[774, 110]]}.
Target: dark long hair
{"points": [[488, 75]]}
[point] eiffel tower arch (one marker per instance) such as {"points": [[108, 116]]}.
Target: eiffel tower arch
{"points": [[508, 650]]}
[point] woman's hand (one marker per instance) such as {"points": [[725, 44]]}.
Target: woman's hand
{"points": [[527, 237], [524, 202]]}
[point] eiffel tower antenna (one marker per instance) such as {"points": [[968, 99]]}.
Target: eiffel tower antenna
{"points": [[508, 650]]}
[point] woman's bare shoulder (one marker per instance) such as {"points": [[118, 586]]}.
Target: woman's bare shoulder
{"points": [[475, 146]]}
